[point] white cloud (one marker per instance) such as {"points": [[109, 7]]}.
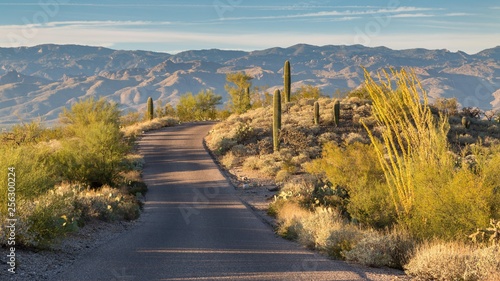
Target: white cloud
{"points": [[458, 14], [334, 13], [418, 15]]}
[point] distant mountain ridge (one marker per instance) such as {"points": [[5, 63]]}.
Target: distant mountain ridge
{"points": [[39, 81]]}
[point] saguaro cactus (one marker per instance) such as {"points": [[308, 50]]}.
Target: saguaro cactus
{"points": [[336, 112], [276, 120], [150, 113], [465, 122], [287, 81], [247, 98], [316, 113]]}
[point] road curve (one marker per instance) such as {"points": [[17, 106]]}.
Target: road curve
{"points": [[195, 228]]}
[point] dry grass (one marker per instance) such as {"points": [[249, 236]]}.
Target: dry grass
{"points": [[137, 129], [455, 261]]}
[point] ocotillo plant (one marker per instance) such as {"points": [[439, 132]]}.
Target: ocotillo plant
{"points": [[276, 120], [150, 113], [287, 81], [336, 112], [316, 113]]}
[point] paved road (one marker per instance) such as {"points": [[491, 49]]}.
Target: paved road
{"points": [[195, 228]]}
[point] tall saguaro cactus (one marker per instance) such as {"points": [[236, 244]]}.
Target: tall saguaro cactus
{"points": [[150, 113], [248, 99], [336, 112], [316, 113], [276, 120], [287, 81]]}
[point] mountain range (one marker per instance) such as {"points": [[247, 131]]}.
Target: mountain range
{"points": [[38, 82]]}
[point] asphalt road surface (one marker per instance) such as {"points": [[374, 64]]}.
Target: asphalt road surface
{"points": [[195, 228]]}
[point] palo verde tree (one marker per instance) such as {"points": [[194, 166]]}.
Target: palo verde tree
{"points": [[239, 98], [199, 107], [94, 127]]}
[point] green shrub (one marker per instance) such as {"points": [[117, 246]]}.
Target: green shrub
{"points": [[93, 156], [34, 171], [431, 196], [356, 169], [90, 111]]}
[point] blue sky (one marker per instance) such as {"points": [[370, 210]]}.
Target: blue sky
{"points": [[173, 26]]}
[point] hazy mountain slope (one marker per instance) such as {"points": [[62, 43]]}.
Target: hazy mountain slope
{"points": [[39, 81]]}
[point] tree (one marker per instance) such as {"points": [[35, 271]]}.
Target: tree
{"points": [[202, 106], [236, 87], [186, 107], [94, 153], [88, 111], [206, 105], [307, 92], [159, 109]]}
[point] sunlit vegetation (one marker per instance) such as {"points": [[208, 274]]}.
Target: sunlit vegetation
{"points": [[399, 182], [82, 170]]}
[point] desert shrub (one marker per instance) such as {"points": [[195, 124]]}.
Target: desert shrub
{"points": [[353, 137], [93, 156], [322, 229], [130, 118], [472, 112], [306, 92], [90, 111], [229, 160], [270, 164], [106, 204], [282, 176], [294, 139], [265, 145], [316, 229], [289, 215], [95, 149], [392, 249], [431, 197], [360, 93], [356, 170], [342, 240], [251, 163], [240, 150], [454, 261], [64, 209], [34, 171], [447, 106], [29, 133]]}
